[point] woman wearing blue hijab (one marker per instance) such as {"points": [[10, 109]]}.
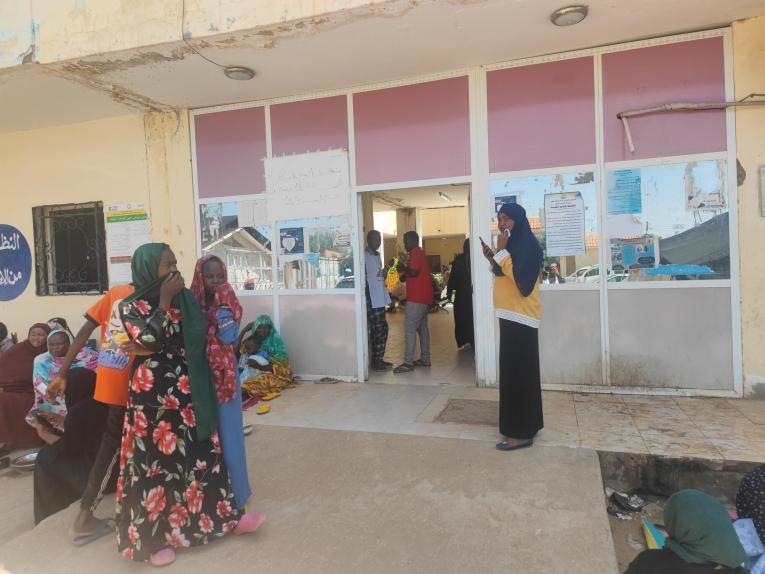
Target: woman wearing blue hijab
{"points": [[517, 305]]}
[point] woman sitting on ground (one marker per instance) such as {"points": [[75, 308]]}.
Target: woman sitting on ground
{"points": [[63, 465], [263, 359], [17, 393], [701, 539], [48, 413]]}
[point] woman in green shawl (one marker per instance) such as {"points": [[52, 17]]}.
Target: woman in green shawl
{"points": [[173, 489], [701, 539], [264, 364]]}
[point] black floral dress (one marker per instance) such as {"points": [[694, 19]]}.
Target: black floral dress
{"points": [[173, 489]]}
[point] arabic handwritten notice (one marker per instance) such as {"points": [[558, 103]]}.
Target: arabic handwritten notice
{"points": [[624, 195], [15, 263], [127, 228], [308, 185], [564, 224]]}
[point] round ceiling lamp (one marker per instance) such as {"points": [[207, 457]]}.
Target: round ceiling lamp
{"points": [[569, 15], [239, 73]]}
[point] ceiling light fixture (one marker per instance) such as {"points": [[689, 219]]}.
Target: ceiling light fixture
{"points": [[443, 196], [239, 73], [569, 15]]}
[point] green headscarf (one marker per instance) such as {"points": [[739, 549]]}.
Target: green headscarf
{"points": [[273, 344], [147, 285], [700, 530]]}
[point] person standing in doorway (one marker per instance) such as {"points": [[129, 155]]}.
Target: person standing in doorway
{"points": [[377, 300], [517, 304], [461, 283], [112, 379], [419, 298]]}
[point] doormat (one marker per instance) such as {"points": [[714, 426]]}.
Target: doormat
{"points": [[470, 412]]}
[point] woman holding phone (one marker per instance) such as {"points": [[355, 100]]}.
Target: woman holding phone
{"points": [[517, 305]]}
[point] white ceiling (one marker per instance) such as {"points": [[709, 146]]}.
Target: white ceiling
{"points": [[422, 197], [431, 36]]}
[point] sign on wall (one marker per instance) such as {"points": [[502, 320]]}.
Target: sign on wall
{"points": [[308, 185], [127, 228], [15, 263], [564, 224]]}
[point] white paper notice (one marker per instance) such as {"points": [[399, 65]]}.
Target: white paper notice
{"points": [[127, 228], [253, 213], [625, 226], [308, 185], [564, 224]]}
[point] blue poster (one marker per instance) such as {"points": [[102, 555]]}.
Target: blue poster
{"points": [[624, 196], [15, 263]]}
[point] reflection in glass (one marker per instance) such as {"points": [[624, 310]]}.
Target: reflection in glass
{"points": [[316, 253], [669, 222], [573, 253]]}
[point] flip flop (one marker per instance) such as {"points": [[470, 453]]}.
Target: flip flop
{"points": [[248, 429], [263, 409], [105, 526], [272, 395]]}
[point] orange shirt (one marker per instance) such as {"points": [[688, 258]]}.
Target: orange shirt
{"points": [[113, 373]]}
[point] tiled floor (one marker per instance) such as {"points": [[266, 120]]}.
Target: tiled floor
{"points": [[718, 429], [450, 365]]}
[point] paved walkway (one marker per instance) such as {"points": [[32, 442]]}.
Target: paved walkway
{"points": [[368, 503], [718, 429]]}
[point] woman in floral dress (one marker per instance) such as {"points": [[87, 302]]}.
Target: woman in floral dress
{"points": [[173, 490]]}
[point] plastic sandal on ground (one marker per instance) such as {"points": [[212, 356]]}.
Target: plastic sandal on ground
{"points": [[164, 557], [250, 522]]}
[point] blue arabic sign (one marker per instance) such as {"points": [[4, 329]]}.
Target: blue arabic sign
{"points": [[15, 263]]}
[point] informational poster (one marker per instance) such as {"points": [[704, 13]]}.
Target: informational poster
{"points": [[15, 263], [291, 240], [637, 253], [564, 224], [127, 228], [308, 185], [624, 193], [217, 220]]}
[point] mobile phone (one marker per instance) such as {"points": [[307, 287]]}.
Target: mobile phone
{"points": [[482, 241]]}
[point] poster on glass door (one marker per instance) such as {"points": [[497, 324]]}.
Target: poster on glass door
{"points": [[564, 224]]}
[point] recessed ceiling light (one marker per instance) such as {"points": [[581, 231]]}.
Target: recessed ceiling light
{"points": [[569, 15], [238, 73]]}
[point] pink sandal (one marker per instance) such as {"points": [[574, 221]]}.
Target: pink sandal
{"points": [[163, 557], [250, 522]]}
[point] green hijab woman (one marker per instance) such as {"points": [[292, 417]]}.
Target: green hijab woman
{"points": [[701, 540], [700, 530], [147, 282]]}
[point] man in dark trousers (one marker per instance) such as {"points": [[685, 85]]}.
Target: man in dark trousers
{"points": [[377, 300]]}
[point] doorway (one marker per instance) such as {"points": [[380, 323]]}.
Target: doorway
{"points": [[441, 217]]}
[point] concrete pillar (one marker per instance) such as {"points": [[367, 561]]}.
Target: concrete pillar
{"points": [[367, 213], [407, 219]]}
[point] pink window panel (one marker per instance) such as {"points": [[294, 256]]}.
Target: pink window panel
{"points": [[412, 132], [542, 115], [309, 126], [645, 77], [230, 149]]}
